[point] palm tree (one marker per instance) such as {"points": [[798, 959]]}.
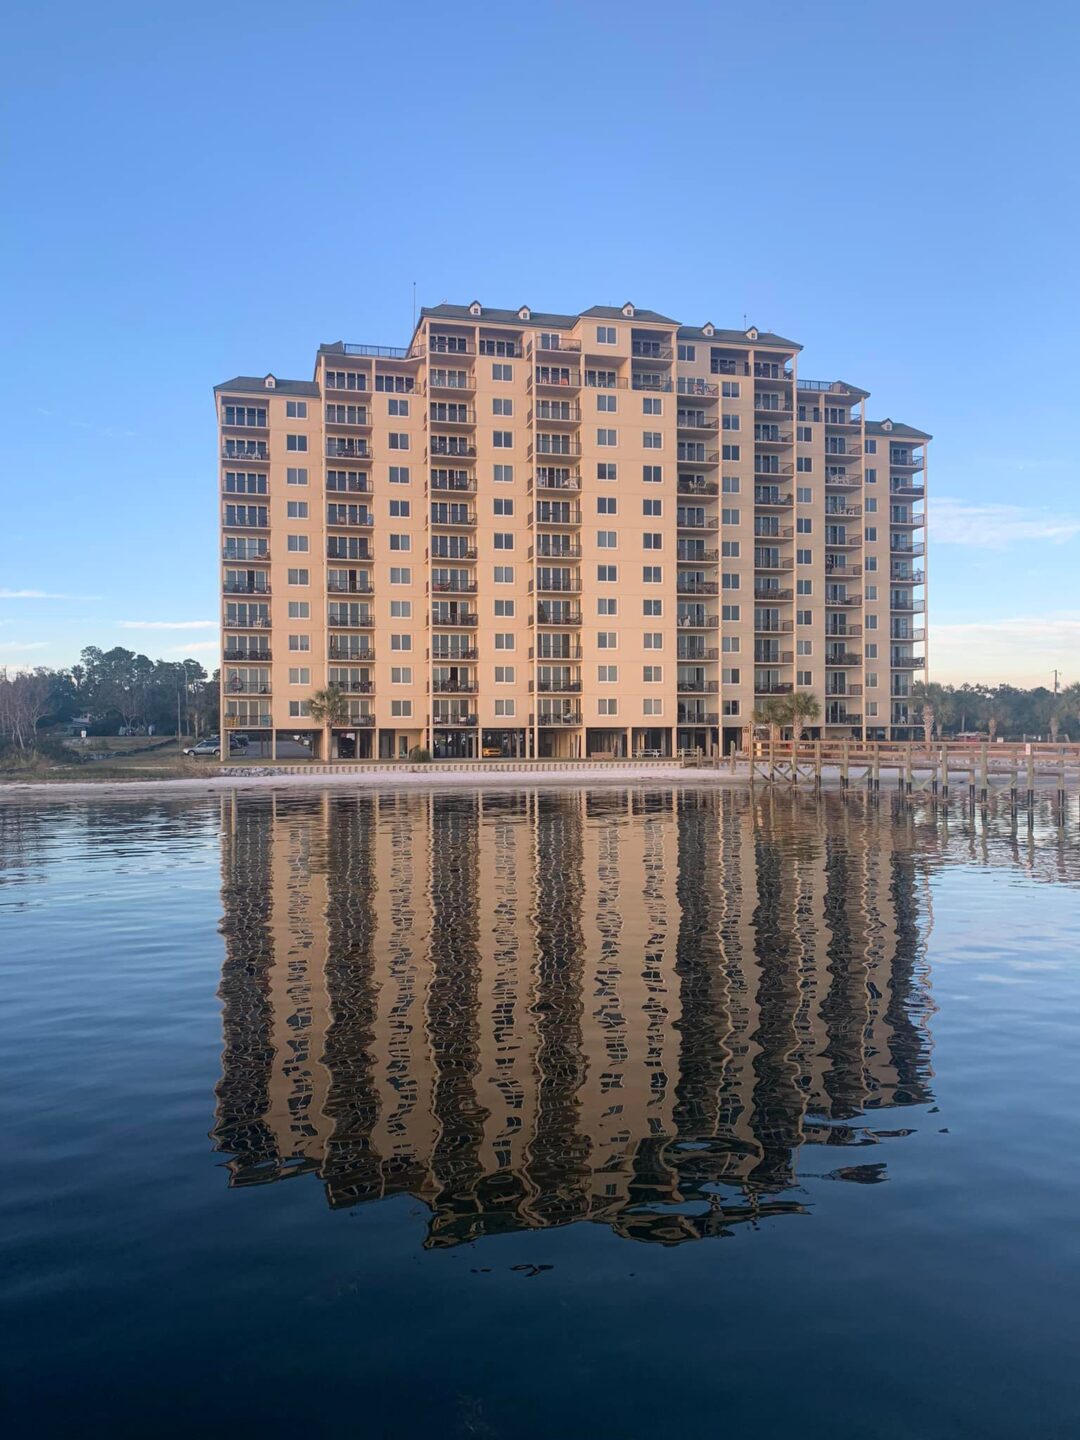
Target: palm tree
{"points": [[802, 710], [930, 701], [330, 708], [774, 714]]}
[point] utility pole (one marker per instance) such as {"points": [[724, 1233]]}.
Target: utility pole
{"points": [[1055, 680]]}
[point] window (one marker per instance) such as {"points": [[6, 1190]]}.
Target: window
{"points": [[297, 544], [871, 447], [607, 471], [402, 709], [607, 707], [607, 539], [730, 675], [502, 439], [653, 440], [299, 609], [870, 562], [730, 452], [605, 437], [400, 575], [804, 678], [400, 542], [504, 574], [503, 474], [871, 504], [400, 509], [606, 404], [606, 505], [400, 642], [871, 650], [296, 409], [730, 582], [871, 709], [399, 475], [804, 557], [504, 674], [652, 707], [397, 407], [652, 574], [299, 708], [504, 609], [299, 642], [730, 517], [652, 674], [607, 573], [731, 644], [730, 389], [652, 405], [687, 352], [652, 607], [400, 674], [504, 540], [605, 334], [654, 640], [299, 577], [607, 607], [804, 617], [652, 474], [606, 640], [730, 707], [729, 485], [730, 612], [652, 507], [399, 440], [729, 422], [871, 622], [871, 477], [295, 476], [804, 587], [804, 464], [871, 532], [401, 609], [505, 707], [804, 647], [729, 549], [503, 506], [804, 495], [804, 433], [502, 372], [504, 640], [502, 407], [871, 592], [299, 675], [607, 674], [803, 526], [652, 540], [871, 679], [296, 509]]}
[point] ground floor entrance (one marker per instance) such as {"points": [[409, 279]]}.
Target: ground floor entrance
{"points": [[504, 744]]}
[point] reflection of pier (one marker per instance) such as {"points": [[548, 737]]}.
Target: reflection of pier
{"points": [[618, 1005]]}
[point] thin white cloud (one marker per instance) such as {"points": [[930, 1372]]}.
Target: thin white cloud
{"points": [[192, 648], [9, 647], [1023, 650], [994, 527], [43, 595], [167, 624]]}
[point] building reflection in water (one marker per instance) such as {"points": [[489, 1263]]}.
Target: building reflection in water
{"points": [[626, 1006]]}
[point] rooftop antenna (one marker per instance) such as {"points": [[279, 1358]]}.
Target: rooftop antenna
{"points": [[414, 304]]}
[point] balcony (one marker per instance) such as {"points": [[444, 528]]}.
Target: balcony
{"points": [[246, 687], [355, 687], [551, 478], [462, 655], [650, 350], [765, 471], [451, 380], [907, 522], [340, 649], [245, 587], [556, 717], [698, 687], [687, 553], [840, 715], [690, 651], [251, 622], [778, 596], [243, 657], [691, 585], [697, 619], [557, 687], [852, 541], [456, 484], [552, 454], [769, 560], [450, 618], [900, 575], [842, 659], [688, 453], [439, 344], [908, 635], [772, 370], [907, 662], [687, 520], [773, 687], [556, 613], [691, 715], [463, 555], [554, 377], [907, 488], [841, 510], [350, 618], [365, 721], [835, 601], [556, 512], [259, 720], [551, 344], [764, 625], [246, 450], [771, 497], [451, 517], [348, 417], [906, 460], [767, 531], [696, 420], [771, 435], [570, 551], [451, 686], [555, 412], [453, 587], [451, 416], [359, 586], [697, 389], [452, 446], [342, 449], [899, 546], [349, 517], [765, 655], [557, 584], [570, 650], [842, 631], [697, 485], [773, 412], [850, 692], [231, 554], [343, 482]]}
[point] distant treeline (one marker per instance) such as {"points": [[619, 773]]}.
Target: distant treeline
{"points": [[1000, 710], [114, 689]]}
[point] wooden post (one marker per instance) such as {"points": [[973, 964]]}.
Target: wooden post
{"points": [[1061, 787], [908, 775], [1031, 786], [844, 764], [943, 761], [817, 764], [983, 779], [875, 772], [772, 759], [733, 757]]}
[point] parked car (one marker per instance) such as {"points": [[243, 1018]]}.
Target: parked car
{"points": [[210, 746]]}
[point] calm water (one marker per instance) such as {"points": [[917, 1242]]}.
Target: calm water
{"points": [[637, 1113]]}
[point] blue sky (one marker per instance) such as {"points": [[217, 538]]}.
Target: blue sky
{"points": [[196, 191]]}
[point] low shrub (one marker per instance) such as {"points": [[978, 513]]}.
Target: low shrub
{"points": [[420, 755]]}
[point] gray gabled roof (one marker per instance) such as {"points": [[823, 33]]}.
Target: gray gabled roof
{"points": [[539, 317], [896, 431], [256, 384], [836, 387], [736, 337]]}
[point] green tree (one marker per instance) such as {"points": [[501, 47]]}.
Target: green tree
{"points": [[802, 710], [330, 708]]}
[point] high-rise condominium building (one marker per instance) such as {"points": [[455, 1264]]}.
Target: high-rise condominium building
{"points": [[561, 535]]}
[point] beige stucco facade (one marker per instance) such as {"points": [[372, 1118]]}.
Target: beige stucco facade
{"points": [[560, 535]]}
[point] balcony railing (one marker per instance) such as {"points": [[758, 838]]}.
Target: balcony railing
{"points": [[454, 717], [773, 687], [452, 619], [342, 650], [555, 614], [246, 687], [694, 486], [697, 522], [772, 497], [244, 587], [556, 717], [689, 715], [245, 450], [690, 585], [246, 657], [779, 596], [453, 587], [697, 389], [341, 449]]}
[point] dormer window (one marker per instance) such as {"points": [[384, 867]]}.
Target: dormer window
{"points": [[628, 310], [474, 308], [708, 329], [524, 313], [270, 382], [752, 333], [886, 424]]}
